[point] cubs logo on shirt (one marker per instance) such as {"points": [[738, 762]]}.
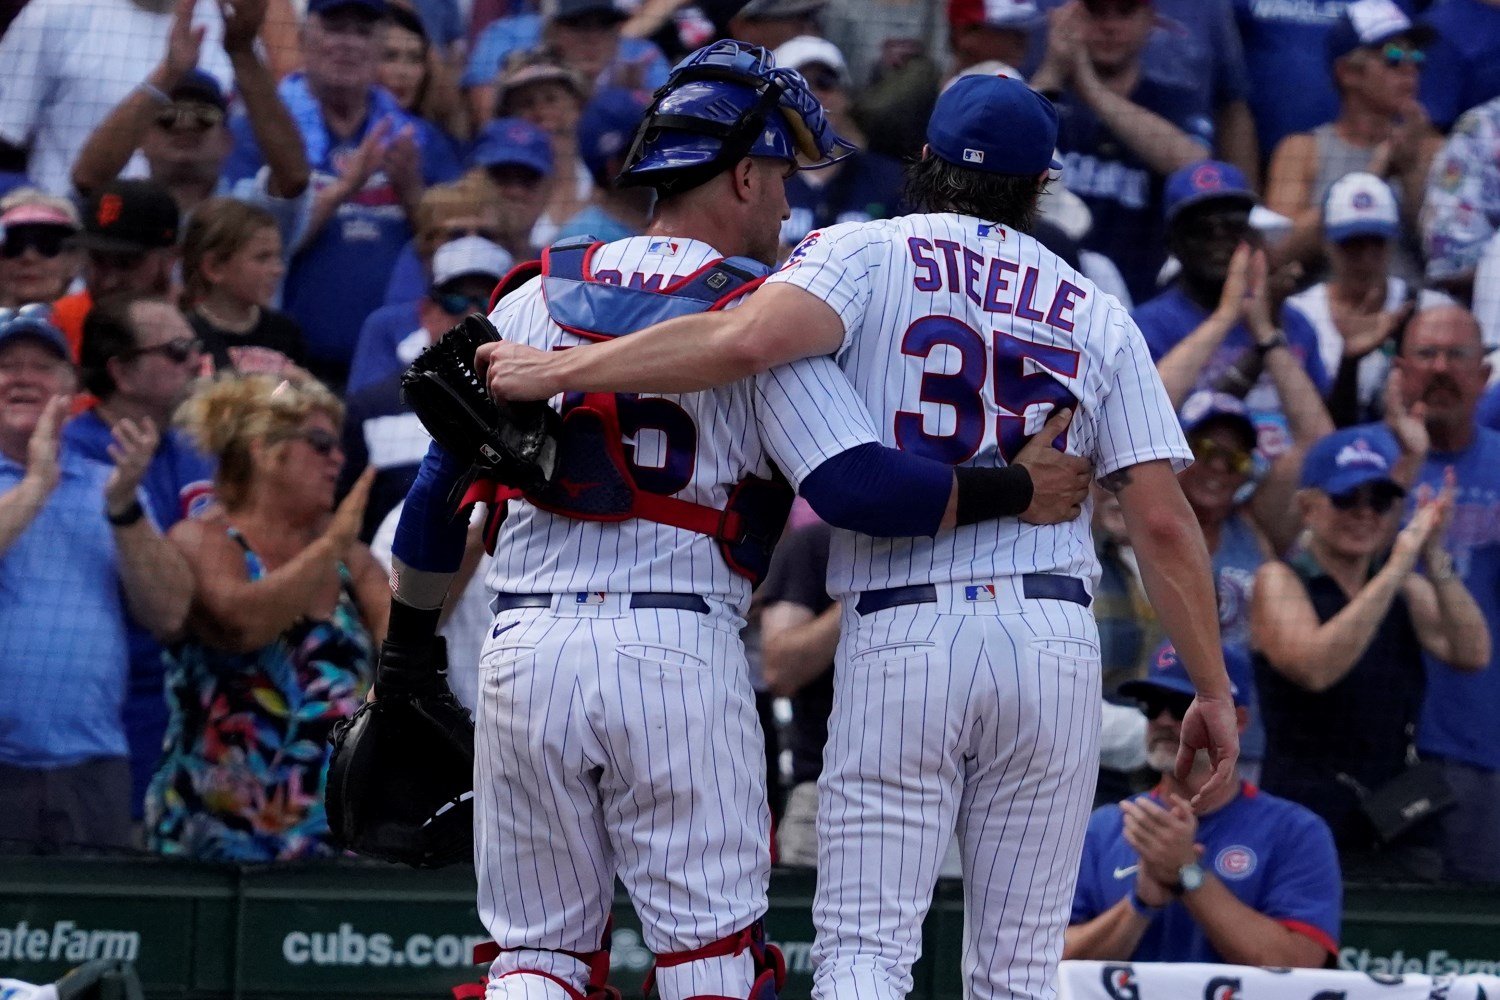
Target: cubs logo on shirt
{"points": [[1235, 862]]}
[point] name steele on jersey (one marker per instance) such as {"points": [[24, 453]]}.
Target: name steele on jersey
{"points": [[1006, 287]]}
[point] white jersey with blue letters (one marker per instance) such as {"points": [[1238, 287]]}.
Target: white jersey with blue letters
{"points": [[615, 737], [966, 684]]}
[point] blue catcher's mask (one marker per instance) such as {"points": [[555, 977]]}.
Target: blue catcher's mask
{"points": [[722, 103]]}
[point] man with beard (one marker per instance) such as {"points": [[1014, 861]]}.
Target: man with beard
{"points": [[1442, 376], [1244, 877], [139, 357]]}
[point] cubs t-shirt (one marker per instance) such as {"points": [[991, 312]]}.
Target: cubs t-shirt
{"points": [[1275, 856]]}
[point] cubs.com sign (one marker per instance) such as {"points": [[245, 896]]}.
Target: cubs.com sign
{"points": [[1163, 981]]}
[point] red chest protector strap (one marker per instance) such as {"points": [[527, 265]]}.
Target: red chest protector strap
{"points": [[593, 481]]}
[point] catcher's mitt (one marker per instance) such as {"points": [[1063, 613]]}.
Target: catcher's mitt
{"points": [[401, 780], [511, 443]]}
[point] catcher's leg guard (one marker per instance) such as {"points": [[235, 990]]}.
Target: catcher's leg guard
{"points": [[767, 973], [539, 984]]}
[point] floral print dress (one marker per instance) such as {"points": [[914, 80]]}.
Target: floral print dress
{"points": [[246, 751]]}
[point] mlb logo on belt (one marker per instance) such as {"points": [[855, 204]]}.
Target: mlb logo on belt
{"points": [[982, 592], [590, 597], [973, 156], [667, 248]]}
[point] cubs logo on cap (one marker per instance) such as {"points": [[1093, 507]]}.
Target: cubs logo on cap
{"points": [[1348, 459], [1360, 204], [1209, 180]]}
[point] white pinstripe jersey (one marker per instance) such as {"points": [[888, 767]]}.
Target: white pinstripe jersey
{"points": [[695, 447], [962, 337]]}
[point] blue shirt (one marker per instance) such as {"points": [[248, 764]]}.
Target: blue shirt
{"points": [[523, 32], [1463, 63], [63, 647], [1276, 857], [1125, 195], [867, 186], [178, 484], [1235, 562], [379, 355], [1459, 711], [1291, 78], [409, 279], [1167, 319], [339, 277], [594, 221]]}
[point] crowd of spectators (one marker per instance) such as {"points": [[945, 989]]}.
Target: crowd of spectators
{"points": [[226, 227]]}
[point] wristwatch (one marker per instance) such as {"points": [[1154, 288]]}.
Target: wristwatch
{"points": [[1189, 878], [1278, 341]]}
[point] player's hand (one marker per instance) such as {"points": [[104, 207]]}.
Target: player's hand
{"points": [[1210, 725], [1059, 481], [132, 448], [516, 373]]}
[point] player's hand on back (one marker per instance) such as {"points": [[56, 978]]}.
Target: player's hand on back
{"points": [[515, 373], [1059, 481]]}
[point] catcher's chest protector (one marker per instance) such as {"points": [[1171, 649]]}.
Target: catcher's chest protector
{"points": [[590, 447]]}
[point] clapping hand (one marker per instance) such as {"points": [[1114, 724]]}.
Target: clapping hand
{"points": [[132, 449]]}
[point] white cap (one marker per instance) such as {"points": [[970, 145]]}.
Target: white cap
{"points": [[469, 255], [807, 49], [1360, 204], [1010, 13], [990, 67]]}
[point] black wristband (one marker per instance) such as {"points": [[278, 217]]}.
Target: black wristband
{"points": [[128, 516], [411, 627], [984, 494]]}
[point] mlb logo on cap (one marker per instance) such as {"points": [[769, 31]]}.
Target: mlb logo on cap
{"points": [[973, 156]]}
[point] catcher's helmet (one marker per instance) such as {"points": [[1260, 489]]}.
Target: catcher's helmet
{"points": [[722, 103]]}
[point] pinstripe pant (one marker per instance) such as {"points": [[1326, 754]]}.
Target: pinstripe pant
{"points": [[980, 719], [610, 741]]}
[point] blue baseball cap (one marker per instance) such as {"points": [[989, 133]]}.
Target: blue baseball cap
{"points": [[1206, 406], [199, 86], [1348, 459], [34, 323], [513, 142], [1367, 23], [1167, 673], [607, 125], [1207, 180], [995, 124], [376, 8]]}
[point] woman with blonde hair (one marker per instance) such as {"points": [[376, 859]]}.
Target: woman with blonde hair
{"points": [[232, 267], [289, 607]]}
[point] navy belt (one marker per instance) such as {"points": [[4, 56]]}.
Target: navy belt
{"points": [[1035, 586], [647, 600]]}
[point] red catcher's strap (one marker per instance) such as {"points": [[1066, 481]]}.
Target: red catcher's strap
{"points": [[490, 492], [469, 991]]}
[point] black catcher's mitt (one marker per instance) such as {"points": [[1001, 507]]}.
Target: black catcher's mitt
{"points": [[401, 781], [512, 443]]}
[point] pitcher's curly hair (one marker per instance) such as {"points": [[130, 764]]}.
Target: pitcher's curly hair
{"points": [[226, 415]]}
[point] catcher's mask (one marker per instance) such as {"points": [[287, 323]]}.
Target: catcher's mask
{"points": [[722, 103]]}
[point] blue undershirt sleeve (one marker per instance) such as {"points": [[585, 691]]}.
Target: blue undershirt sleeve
{"points": [[880, 491], [428, 535]]}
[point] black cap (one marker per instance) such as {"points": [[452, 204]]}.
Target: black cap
{"points": [[199, 86], [575, 10], [129, 216]]}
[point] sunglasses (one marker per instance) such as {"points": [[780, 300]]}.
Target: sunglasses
{"points": [[459, 232], [322, 442], [1379, 498], [178, 351], [49, 241], [189, 116], [1177, 705], [457, 304], [819, 78], [1237, 460], [1396, 56]]}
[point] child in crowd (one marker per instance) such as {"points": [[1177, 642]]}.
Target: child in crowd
{"points": [[231, 272]]}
